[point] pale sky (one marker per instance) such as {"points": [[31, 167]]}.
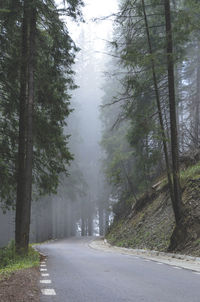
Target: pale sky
{"points": [[99, 30], [99, 8]]}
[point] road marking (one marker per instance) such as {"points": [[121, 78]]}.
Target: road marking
{"points": [[45, 275], [177, 267], [43, 262], [159, 263], [48, 292], [42, 265], [43, 269], [45, 281], [196, 273]]}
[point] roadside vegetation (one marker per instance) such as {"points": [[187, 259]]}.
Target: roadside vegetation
{"points": [[10, 261]]}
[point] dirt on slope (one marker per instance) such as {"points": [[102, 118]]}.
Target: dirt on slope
{"points": [[21, 286], [150, 224], [187, 235]]}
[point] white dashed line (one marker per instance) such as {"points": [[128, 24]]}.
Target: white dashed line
{"points": [[43, 269], [48, 292], [159, 263], [43, 262], [42, 265], [45, 275], [45, 281], [177, 267]]}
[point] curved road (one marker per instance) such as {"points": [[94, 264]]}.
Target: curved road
{"points": [[79, 273]]}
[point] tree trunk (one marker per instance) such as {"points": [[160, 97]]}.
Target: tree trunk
{"points": [[73, 221], [172, 107], [107, 215], [129, 181], [25, 148], [197, 100], [163, 135], [83, 232], [37, 223], [90, 225], [101, 220]]}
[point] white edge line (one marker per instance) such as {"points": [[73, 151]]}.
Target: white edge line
{"points": [[45, 281], [48, 292]]}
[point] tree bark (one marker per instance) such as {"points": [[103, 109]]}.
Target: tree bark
{"points": [[73, 221], [107, 215], [90, 225], [130, 184], [101, 220], [197, 101], [160, 115], [172, 108], [25, 148], [83, 228]]}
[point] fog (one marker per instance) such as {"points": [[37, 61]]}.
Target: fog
{"points": [[81, 205]]}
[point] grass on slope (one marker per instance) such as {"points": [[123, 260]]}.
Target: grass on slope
{"points": [[192, 172], [10, 261]]}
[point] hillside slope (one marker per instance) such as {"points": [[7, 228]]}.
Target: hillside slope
{"points": [[149, 223]]}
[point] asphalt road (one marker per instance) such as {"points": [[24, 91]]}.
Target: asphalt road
{"points": [[79, 273]]}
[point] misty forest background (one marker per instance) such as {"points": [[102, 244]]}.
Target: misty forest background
{"points": [[84, 127]]}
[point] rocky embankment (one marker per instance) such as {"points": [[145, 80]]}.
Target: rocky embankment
{"points": [[149, 223]]}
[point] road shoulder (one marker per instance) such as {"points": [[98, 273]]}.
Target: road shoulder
{"points": [[183, 261]]}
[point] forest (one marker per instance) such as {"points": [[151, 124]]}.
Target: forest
{"points": [[153, 89], [86, 131]]}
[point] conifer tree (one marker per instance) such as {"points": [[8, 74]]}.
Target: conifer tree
{"points": [[147, 59], [173, 123], [34, 100]]}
